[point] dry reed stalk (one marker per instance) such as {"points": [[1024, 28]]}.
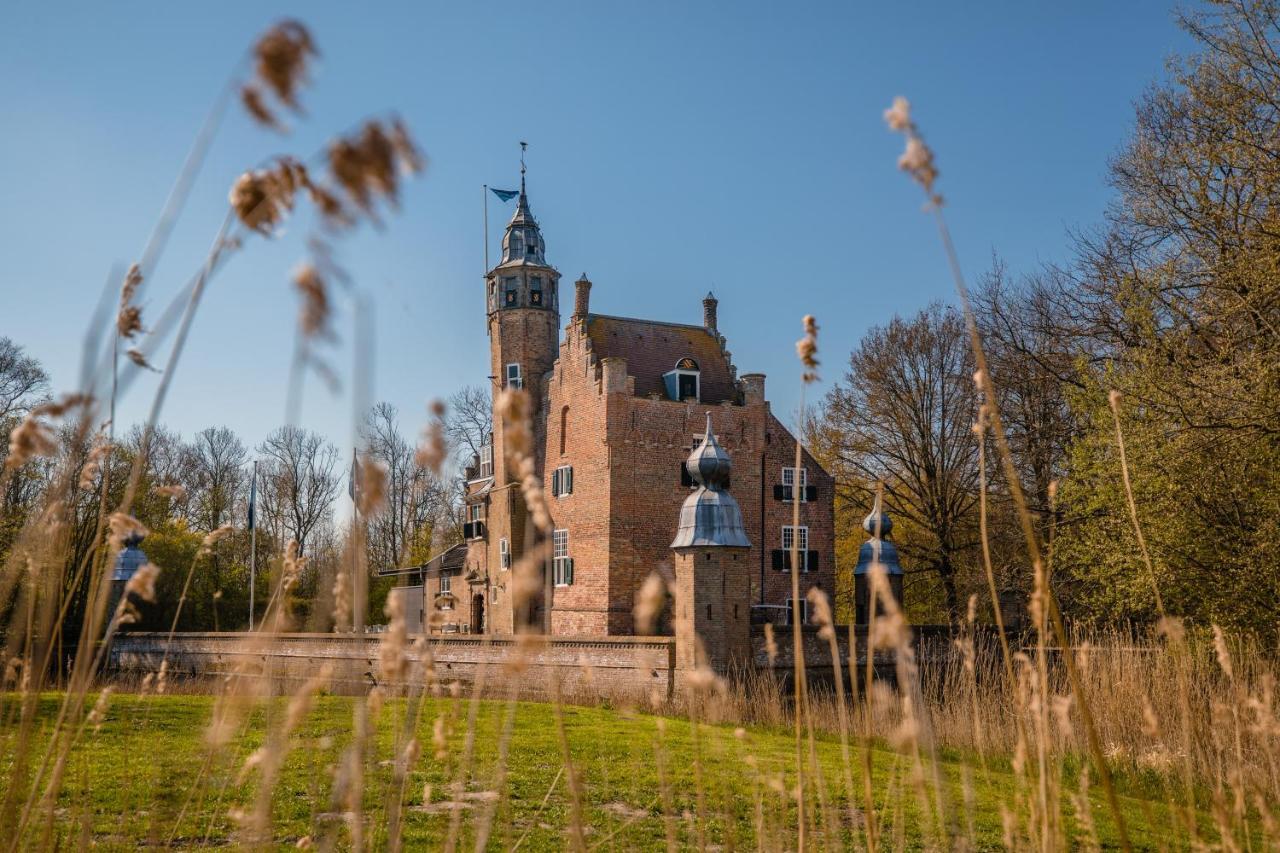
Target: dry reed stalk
{"points": [[806, 350], [468, 753], [577, 837], [918, 160], [484, 825], [827, 631], [868, 788]]}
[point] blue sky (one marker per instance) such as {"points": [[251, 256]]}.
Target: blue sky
{"points": [[675, 147]]}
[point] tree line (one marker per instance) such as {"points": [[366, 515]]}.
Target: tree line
{"points": [[1162, 331], [192, 487]]}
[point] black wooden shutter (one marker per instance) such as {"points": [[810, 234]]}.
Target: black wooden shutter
{"points": [[812, 562], [779, 493], [779, 560], [811, 493]]}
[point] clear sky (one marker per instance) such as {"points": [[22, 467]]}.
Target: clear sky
{"points": [[674, 148]]}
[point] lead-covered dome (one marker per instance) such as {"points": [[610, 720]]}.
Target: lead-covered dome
{"points": [[710, 516]]}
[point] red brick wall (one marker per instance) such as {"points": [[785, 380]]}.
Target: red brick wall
{"points": [[626, 452]]}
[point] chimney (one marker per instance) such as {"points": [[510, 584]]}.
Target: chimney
{"points": [[752, 388], [709, 304], [581, 296]]}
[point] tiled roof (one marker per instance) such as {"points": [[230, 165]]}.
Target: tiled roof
{"points": [[652, 349], [451, 559]]}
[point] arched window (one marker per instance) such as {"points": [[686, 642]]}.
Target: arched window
{"points": [[564, 429]]}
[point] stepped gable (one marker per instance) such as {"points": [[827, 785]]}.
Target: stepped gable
{"points": [[652, 349]]}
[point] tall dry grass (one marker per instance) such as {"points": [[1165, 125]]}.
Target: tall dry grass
{"points": [[1186, 722]]}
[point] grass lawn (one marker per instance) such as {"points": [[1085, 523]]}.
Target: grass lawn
{"points": [[127, 783]]}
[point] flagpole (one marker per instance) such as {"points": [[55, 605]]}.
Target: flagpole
{"points": [[486, 228], [253, 540]]}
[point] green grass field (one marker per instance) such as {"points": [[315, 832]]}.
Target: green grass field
{"points": [[128, 782]]}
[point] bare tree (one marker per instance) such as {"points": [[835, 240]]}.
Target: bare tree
{"points": [[218, 476], [22, 383], [415, 497], [1033, 363], [903, 415], [22, 380], [468, 422], [168, 463], [298, 483]]}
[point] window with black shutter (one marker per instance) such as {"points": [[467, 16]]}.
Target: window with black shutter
{"points": [[794, 481], [561, 562], [562, 481]]}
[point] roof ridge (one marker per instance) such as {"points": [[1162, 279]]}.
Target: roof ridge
{"points": [[651, 322]]}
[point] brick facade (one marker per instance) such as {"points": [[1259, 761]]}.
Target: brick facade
{"points": [[604, 409]]}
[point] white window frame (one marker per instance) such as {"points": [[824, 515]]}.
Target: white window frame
{"points": [[789, 477], [804, 610], [558, 479], [804, 539], [475, 512], [446, 592], [559, 555], [486, 460], [697, 383], [504, 553], [515, 379], [697, 440]]}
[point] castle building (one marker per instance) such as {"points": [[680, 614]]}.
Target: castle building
{"points": [[619, 405]]}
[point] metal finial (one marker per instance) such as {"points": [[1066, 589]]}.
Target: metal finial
{"points": [[523, 146]]}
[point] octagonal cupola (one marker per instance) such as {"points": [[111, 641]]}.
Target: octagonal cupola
{"points": [[522, 242]]}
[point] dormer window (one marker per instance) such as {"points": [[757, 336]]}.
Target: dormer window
{"points": [[684, 383]]}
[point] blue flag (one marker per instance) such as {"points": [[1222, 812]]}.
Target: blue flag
{"points": [[505, 195], [353, 483]]}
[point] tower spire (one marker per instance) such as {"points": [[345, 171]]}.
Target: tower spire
{"points": [[523, 146]]}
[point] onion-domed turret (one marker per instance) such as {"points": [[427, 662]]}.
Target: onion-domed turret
{"points": [[710, 516], [876, 549]]}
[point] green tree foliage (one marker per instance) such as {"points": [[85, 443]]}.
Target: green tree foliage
{"points": [[1177, 305], [1174, 302]]}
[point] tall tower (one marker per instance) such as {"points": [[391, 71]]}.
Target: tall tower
{"points": [[713, 580], [522, 294]]}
